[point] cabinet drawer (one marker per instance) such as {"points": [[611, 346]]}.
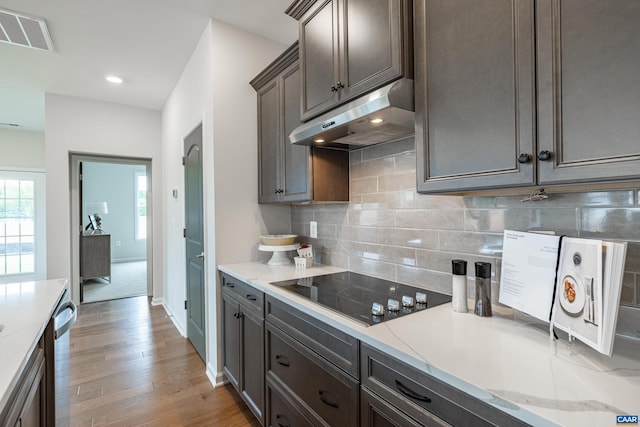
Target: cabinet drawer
{"points": [[378, 413], [330, 394], [247, 295], [421, 396], [336, 346], [281, 412]]}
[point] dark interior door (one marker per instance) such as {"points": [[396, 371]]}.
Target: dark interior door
{"points": [[194, 237]]}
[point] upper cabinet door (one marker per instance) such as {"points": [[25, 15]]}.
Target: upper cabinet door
{"points": [[296, 158], [374, 36], [350, 47], [475, 103], [319, 40], [269, 140], [589, 90]]}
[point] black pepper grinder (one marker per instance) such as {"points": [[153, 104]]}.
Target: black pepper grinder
{"points": [[483, 289]]}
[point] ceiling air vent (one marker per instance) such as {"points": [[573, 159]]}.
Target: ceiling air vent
{"points": [[23, 30]]}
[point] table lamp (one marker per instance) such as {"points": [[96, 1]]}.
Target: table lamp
{"points": [[98, 208]]}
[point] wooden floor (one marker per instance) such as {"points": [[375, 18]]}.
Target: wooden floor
{"points": [[126, 365]]}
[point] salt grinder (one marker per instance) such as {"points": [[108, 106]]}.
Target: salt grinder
{"points": [[459, 286], [483, 289]]}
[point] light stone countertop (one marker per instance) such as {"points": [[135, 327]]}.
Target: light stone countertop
{"points": [[503, 360], [25, 311]]}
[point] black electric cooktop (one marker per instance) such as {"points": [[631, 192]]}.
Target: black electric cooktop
{"points": [[354, 295]]}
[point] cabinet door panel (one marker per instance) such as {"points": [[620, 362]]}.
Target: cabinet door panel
{"points": [[231, 340], [319, 58], [253, 362], [474, 93], [268, 141], [589, 89], [371, 57], [329, 393], [297, 183]]}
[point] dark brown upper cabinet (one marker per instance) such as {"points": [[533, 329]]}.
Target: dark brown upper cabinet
{"points": [[283, 168], [474, 93], [349, 47], [588, 90], [480, 124], [290, 173]]}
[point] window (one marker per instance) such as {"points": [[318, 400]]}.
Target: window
{"points": [[140, 205], [22, 235]]}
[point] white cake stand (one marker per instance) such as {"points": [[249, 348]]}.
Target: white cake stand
{"points": [[279, 256]]}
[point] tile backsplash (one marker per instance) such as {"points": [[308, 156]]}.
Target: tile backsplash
{"points": [[388, 230]]}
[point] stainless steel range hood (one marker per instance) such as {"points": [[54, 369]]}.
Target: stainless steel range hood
{"points": [[383, 115]]}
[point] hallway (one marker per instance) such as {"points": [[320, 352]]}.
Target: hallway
{"points": [[127, 365]]}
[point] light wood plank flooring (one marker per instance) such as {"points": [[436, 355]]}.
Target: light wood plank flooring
{"points": [[126, 365]]}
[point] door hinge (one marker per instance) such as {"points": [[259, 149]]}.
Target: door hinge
{"points": [[184, 160], [185, 304], [184, 232]]}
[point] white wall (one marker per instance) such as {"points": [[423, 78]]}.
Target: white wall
{"points": [[214, 88], [97, 128], [21, 149], [189, 104], [115, 184]]}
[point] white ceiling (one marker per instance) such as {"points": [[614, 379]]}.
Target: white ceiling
{"points": [[146, 42]]}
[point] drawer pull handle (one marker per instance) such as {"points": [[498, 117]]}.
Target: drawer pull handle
{"points": [[282, 421], [410, 393], [230, 285], [323, 396], [281, 360], [251, 297]]}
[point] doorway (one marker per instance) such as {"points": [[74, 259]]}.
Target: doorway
{"points": [[113, 222]]}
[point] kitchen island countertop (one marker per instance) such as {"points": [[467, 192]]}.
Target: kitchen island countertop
{"points": [[25, 311], [507, 360]]}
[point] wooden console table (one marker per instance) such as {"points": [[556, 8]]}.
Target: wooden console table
{"points": [[95, 256]]}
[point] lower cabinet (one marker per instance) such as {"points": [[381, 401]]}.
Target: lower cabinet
{"points": [[421, 397], [295, 370], [29, 403], [243, 342], [318, 390]]}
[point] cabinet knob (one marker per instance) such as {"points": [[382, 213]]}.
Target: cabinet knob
{"points": [[524, 158], [334, 88], [544, 155], [339, 85]]}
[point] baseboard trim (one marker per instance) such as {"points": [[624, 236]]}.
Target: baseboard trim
{"points": [[157, 301], [216, 379], [173, 319]]}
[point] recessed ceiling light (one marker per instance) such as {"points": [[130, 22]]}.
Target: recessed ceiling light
{"points": [[375, 121], [318, 140], [114, 79]]}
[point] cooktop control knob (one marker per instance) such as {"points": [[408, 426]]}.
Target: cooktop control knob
{"points": [[421, 298], [393, 305], [407, 301], [377, 309]]}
